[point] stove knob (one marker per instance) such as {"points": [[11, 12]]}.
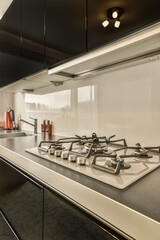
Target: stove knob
{"points": [[57, 153], [72, 158], [51, 151], [81, 160], [64, 155]]}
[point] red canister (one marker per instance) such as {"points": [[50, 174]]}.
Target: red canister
{"points": [[8, 121]]}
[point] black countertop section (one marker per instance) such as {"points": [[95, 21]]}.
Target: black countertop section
{"points": [[142, 196]]}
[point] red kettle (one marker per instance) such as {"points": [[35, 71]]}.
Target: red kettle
{"points": [[8, 120]]}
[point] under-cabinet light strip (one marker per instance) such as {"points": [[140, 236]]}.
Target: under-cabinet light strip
{"points": [[133, 38]]}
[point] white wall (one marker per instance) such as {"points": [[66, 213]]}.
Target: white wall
{"points": [[125, 102], [6, 102]]}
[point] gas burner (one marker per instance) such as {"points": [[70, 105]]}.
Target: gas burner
{"points": [[96, 148], [138, 148], [94, 139], [141, 152], [95, 145], [112, 163], [50, 146]]}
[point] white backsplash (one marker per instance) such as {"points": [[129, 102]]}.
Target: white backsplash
{"points": [[124, 102]]}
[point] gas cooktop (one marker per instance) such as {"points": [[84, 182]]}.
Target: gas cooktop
{"points": [[108, 160]]}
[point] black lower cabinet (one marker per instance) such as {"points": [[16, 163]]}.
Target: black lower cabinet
{"points": [[5, 229], [21, 200], [29, 211], [64, 221]]}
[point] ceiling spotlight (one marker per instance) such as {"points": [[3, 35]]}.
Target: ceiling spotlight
{"points": [[117, 24], [115, 14], [105, 23]]}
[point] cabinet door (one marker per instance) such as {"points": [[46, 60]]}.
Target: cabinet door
{"points": [[65, 29], [5, 229], [21, 200], [3, 35], [64, 221], [13, 68], [13, 28], [137, 14], [33, 31], [61, 220], [21, 40]]}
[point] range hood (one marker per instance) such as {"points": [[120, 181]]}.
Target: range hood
{"points": [[139, 47]]}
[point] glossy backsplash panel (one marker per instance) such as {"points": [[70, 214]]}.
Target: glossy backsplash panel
{"points": [[124, 102]]}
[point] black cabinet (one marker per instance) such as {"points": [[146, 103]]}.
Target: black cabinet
{"points": [[30, 212], [5, 229], [33, 30], [65, 221], [21, 200], [61, 220], [13, 68], [21, 40], [65, 29], [137, 14], [10, 45], [13, 28], [3, 35]]}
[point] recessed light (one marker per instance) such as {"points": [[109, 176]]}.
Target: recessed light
{"points": [[115, 14], [105, 23], [117, 24]]}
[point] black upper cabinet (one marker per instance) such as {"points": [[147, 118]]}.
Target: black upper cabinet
{"points": [[65, 29], [13, 28], [10, 45], [10, 29], [3, 34], [13, 68], [137, 14], [21, 40], [33, 31]]}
